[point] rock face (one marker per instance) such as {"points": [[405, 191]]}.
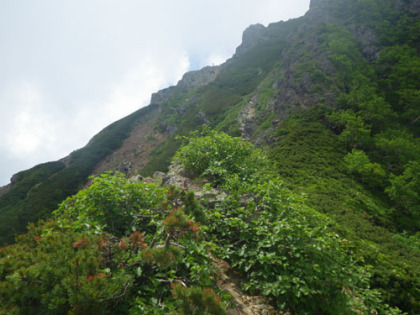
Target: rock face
{"points": [[189, 81], [250, 37], [247, 124], [198, 78], [162, 96]]}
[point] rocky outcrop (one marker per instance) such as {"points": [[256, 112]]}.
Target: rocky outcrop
{"points": [[4, 189], [246, 120], [253, 35], [162, 96], [189, 81], [194, 79]]}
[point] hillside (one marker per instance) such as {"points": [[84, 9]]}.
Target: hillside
{"points": [[331, 97]]}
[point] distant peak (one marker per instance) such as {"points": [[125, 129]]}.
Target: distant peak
{"points": [[251, 36]]}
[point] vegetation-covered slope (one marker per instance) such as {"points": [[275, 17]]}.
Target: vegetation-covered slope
{"points": [[36, 192], [332, 96], [127, 247]]}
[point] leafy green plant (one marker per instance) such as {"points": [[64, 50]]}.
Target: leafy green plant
{"points": [[359, 163], [405, 191], [286, 252], [217, 156], [114, 248], [283, 248]]}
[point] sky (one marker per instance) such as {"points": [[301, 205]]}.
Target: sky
{"points": [[69, 68]]}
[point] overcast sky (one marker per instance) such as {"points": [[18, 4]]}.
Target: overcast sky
{"points": [[68, 68]]}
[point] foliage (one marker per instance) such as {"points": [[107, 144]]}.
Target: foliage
{"points": [[287, 253], [77, 264], [314, 160], [283, 248], [127, 241], [161, 157], [197, 300], [111, 204], [354, 161], [405, 191], [359, 163], [354, 131], [217, 156], [57, 272]]}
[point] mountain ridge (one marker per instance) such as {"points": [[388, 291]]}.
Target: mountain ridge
{"points": [[332, 96]]}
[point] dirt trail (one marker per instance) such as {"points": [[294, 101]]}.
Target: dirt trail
{"points": [[243, 304]]}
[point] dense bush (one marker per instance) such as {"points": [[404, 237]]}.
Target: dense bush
{"points": [[117, 247], [129, 247], [282, 247], [316, 161], [218, 156]]}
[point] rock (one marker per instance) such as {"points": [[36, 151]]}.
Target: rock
{"points": [[158, 174], [189, 81], [137, 178], [246, 117], [198, 78], [244, 304], [203, 118], [124, 167], [14, 179], [170, 130], [250, 37], [162, 96]]}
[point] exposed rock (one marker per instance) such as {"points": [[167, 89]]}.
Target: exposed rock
{"points": [[4, 189], [160, 175], [14, 179], [179, 110], [244, 304], [66, 161], [162, 96], [246, 117], [203, 118], [250, 37], [170, 130], [368, 40], [189, 81], [136, 148], [137, 178], [198, 78], [124, 167]]}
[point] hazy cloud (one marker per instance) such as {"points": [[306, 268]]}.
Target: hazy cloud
{"points": [[68, 68]]}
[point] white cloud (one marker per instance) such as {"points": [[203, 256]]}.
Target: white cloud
{"points": [[149, 75], [68, 68], [26, 125], [130, 93]]}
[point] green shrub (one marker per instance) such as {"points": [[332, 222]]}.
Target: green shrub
{"points": [[114, 248], [217, 156]]}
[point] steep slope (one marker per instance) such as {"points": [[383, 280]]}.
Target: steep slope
{"points": [[334, 97]]}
